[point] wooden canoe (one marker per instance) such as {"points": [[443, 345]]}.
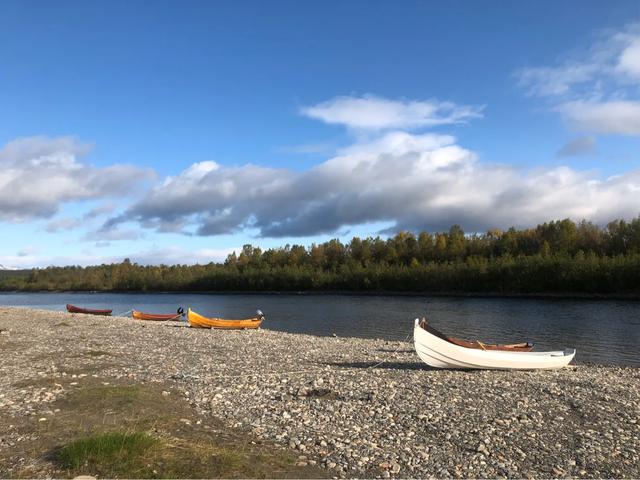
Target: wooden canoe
{"points": [[90, 311], [509, 347], [198, 321], [156, 317], [436, 351]]}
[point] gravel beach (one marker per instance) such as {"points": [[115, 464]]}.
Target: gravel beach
{"points": [[331, 400]]}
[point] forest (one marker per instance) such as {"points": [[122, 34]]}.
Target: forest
{"points": [[558, 257]]}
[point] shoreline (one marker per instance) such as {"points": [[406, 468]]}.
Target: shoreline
{"points": [[488, 295], [350, 407]]}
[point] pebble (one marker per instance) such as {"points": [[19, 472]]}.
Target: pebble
{"points": [[399, 419]]}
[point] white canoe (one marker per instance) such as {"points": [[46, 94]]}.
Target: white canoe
{"points": [[440, 353]]}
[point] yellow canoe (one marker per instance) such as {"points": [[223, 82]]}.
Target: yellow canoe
{"points": [[198, 321]]}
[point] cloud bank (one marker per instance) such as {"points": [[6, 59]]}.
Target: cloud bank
{"points": [[413, 180], [39, 174], [419, 181]]}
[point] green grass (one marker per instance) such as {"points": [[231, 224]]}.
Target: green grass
{"points": [[115, 453], [138, 455], [133, 431]]}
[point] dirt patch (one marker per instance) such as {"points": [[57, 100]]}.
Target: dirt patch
{"points": [[319, 393], [184, 444]]}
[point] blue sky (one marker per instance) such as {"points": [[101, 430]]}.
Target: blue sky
{"points": [[178, 131]]}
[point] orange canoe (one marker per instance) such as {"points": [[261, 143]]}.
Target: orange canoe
{"points": [[198, 321], [156, 317]]}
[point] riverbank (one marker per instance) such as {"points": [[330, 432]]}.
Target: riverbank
{"points": [[326, 405]]}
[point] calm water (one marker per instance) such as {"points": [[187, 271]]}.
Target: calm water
{"points": [[605, 332]]}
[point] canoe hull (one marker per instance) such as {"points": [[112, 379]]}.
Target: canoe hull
{"points": [[88, 311], [154, 317], [439, 353], [198, 321]]}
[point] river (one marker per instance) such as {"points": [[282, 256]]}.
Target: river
{"points": [[602, 331]]}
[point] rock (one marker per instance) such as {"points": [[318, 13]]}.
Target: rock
{"points": [[405, 421]]}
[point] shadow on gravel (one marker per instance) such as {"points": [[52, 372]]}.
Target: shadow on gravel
{"points": [[384, 366], [391, 350]]}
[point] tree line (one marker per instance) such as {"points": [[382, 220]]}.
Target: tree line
{"points": [[555, 257]]}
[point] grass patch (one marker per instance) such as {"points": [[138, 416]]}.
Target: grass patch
{"points": [[108, 454], [127, 430], [139, 455]]}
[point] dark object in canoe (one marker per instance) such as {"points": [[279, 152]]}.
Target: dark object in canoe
{"points": [[512, 347], [74, 309]]}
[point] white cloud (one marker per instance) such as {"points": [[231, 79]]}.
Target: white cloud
{"points": [[155, 256], [596, 91], [629, 60], [556, 81], [615, 117], [418, 181], [375, 113], [38, 174]]}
